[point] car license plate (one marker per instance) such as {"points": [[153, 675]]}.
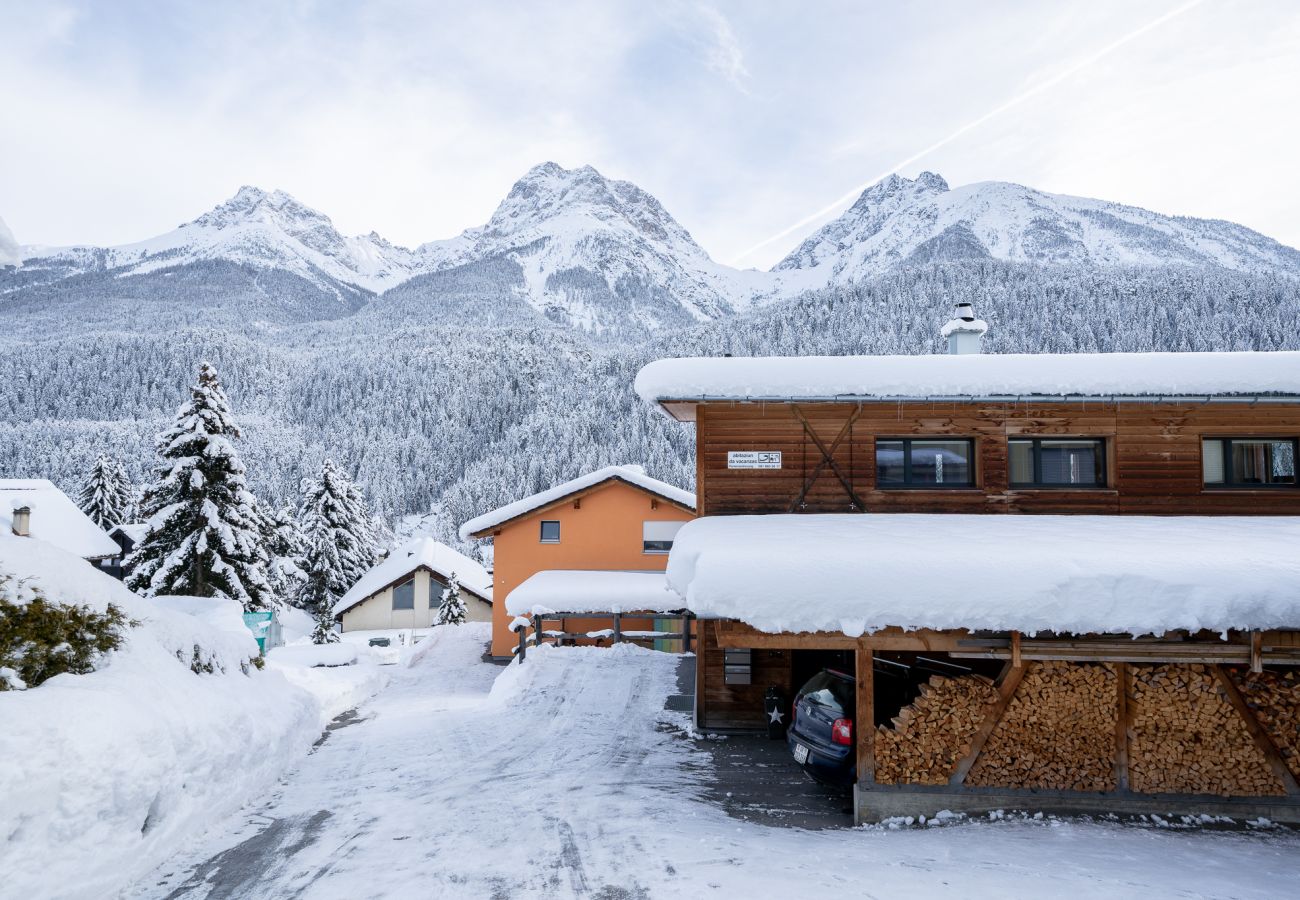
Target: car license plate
{"points": [[800, 754]]}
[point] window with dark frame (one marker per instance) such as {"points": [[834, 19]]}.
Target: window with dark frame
{"points": [[1057, 462], [1254, 462], [657, 537], [550, 533], [404, 595], [925, 463]]}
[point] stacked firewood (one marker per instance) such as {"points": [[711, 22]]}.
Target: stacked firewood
{"points": [[1057, 733], [1188, 738], [1274, 697], [929, 737]]}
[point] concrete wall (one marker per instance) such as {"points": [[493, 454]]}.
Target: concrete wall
{"points": [[377, 613]]}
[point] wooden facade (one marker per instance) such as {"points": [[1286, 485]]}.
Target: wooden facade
{"points": [[1190, 722], [828, 456]]}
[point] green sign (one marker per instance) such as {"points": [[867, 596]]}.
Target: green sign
{"points": [[259, 623]]}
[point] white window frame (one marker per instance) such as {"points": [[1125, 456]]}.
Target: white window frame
{"points": [[541, 531], [659, 531]]}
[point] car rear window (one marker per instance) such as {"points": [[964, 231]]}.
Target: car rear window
{"points": [[830, 691]]}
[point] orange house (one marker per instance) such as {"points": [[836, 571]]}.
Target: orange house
{"points": [[613, 519]]}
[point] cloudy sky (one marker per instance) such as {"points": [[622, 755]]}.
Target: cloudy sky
{"points": [[123, 119]]}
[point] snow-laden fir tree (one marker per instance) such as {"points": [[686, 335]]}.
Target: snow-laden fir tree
{"points": [[287, 548], [452, 610], [107, 495], [206, 535], [340, 538]]}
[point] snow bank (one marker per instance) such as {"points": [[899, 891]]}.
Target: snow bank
{"points": [[315, 655], [103, 775], [575, 591], [1077, 574], [336, 688], [972, 375], [631, 474]]}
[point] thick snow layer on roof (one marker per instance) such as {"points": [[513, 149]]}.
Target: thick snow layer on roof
{"points": [[55, 518], [1075, 574], [973, 375], [405, 560], [579, 591], [632, 474]]}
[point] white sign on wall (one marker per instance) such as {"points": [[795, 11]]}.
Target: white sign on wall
{"points": [[753, 459]]}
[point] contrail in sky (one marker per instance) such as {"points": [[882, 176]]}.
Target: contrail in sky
{"points": [[1015, 101]]}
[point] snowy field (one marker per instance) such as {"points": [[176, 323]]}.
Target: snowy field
{"points": [[564, 777]]}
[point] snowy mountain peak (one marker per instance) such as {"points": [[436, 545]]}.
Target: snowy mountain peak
{"points": [[901, 221]]}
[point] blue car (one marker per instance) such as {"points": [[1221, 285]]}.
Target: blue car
{"points": [[821, 728]]}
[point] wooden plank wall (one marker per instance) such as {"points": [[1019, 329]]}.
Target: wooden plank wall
{"points": [[730, 706], [1154, 451]]}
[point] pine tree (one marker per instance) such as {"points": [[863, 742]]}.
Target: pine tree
{"points": [[318, 596], [206, 534], [340, 536], [287, 548], [106, 495], [127, 492], [452, 610]]}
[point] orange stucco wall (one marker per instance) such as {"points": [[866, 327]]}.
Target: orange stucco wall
{"points": [[604, 532]]}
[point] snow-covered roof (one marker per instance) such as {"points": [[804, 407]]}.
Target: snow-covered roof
{"points": [[136, 531], [1066, 574], [974, 375], [421, 552], [634, 475], [581, 591], [55, 518]]}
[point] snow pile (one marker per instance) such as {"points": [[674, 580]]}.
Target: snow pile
{"points": [[316, 655], [1076, 574], [576, 591], [335, 685], [420, 553], [1013, 375], [103, 775], [634, 475], [55, 518]]}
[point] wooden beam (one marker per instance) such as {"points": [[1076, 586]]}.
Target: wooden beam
{"points": [[1257, 733], [1256, 652], [864, 717], [1015, 650], [1006, 690], [1123, 721], [828, 458]]}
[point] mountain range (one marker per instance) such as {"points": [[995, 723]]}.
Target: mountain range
{"points": [[461, 374], [604, 256]]}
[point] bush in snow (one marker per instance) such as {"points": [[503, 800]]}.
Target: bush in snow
{"points": [[452, 610], [40, 639], [206, 534], [107, 495]]}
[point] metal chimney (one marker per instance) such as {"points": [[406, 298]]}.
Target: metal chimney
{"points": [[23, 521], [964, 333]]}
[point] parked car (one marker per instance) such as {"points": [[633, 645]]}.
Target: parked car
{"points": [[821, 728]]}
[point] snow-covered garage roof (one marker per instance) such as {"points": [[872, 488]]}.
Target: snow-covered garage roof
{"points": [[55, 518], [1067, 574], [634, 475], [419, 553], [976, 375], [580, 591]]}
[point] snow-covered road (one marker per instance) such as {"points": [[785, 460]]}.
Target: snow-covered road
{"points": [[565, 779]]}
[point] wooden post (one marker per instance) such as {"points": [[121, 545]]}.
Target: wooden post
{"points": [[1261, 737], [686, 632], [523, 642], [1121, 726], [537, 631], [1008, 681], [1015, 649], [1256, 652], [864, 719], [618, 628]]}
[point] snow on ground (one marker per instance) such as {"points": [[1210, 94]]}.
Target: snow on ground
{"points": [[564, 777], [104, 775]]}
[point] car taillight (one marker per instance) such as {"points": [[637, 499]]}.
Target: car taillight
{"points": [[842, 731]]}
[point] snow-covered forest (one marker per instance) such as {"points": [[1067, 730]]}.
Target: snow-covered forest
{"points": [[447, 418]]}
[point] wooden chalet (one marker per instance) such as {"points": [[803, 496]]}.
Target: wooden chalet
{"points": [[1062, 582]]}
